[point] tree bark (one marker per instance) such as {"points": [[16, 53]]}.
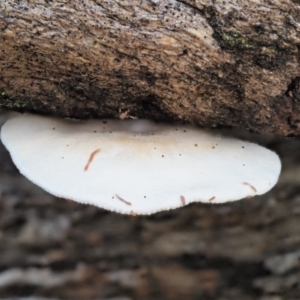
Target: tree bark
{"points": [[213, 63]]}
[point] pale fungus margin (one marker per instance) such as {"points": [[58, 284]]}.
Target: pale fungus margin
{"points": [[137, 166]]}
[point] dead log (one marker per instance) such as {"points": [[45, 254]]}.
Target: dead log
{"points": [[217, 64]]}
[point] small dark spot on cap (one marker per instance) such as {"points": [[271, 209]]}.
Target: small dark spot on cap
{"points": [[144, 196], [196, 145], [243, 147], [104, 122], [113, 197], [162, 156], [176, 129], [53, 128], [184, 130], [95, 131]]}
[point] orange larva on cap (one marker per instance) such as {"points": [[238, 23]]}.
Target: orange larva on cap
{"points": [[251, 186], [123, 200], [91, 159], [182, 199]]}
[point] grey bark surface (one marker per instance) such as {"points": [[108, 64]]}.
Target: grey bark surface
{"points": [[215, 63]]}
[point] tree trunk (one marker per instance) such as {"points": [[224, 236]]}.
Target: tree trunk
{"points": [[214, 63]]}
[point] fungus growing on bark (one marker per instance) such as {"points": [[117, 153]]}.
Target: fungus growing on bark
{"points": [[137, 166]]}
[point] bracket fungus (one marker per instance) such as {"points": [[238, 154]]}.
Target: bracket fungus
{"points": [[137, 166]]}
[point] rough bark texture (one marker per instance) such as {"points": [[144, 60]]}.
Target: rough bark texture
{"points": [[215, 63], [56, 249]]}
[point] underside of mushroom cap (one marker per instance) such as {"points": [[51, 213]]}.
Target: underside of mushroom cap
{"points": [[137, 166]]}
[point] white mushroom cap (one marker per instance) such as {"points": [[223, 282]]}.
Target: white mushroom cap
{"points": [[137, 166]]}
